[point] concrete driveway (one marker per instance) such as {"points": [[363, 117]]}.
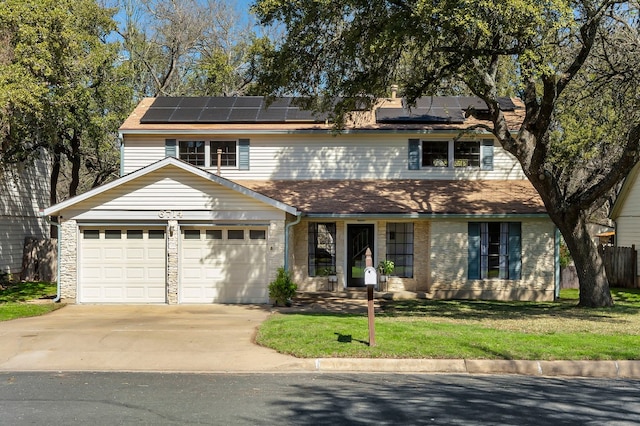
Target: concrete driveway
{"points": [[203, 338]]}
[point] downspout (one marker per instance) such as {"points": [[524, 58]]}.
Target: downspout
{"points": [[287, 227]]}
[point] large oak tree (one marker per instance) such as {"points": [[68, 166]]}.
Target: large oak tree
{"points": [[574, 64]]}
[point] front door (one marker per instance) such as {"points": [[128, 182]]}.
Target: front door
{"points": [[359, 238]]}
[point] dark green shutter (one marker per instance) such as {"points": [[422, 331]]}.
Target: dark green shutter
{"points": [[414, 154], [474, 251], [243, 152], [486, 152], [515, 251], [170, 148]]}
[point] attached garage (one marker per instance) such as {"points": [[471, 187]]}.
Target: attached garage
{"points": [[223, 265], [170, 233], [122, 265]]}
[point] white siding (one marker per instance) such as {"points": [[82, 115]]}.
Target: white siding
{"points": [[23, 192], [171, 189], [346, 156], [628, 219]]}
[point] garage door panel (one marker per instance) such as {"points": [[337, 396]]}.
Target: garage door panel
{"points": [[123, 270], [231, 271]]}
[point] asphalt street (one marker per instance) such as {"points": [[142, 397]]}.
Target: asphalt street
{"points": [[110, 398]]}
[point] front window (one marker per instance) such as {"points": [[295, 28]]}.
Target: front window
{"points": [[192, 152], [466, 154], [435, 154], [400, 248], [228, 153], [495, 250], [322, 248]]}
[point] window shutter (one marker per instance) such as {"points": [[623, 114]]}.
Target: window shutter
{"points": [[414, 154], [515, 251], [170, 149], [474, 251], [487, 154], [243, 152]]}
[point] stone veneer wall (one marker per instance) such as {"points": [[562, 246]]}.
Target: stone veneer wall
{"points": [[275, 249], [69, 261], [449, 260], [172, 262]]}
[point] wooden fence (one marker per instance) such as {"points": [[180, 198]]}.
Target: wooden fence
{"points": [[621, 265]]}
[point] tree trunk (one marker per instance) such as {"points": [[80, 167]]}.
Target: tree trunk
{"points": [[594, 285]]}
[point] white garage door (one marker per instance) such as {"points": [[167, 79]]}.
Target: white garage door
{"points": [[122, 265], [223, 265]]}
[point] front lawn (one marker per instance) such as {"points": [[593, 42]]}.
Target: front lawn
{"points": [[17, 300], [467, 329]]}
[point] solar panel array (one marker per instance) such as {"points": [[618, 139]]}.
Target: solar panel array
{"points": [[438, 109], [236, 109], [254, 109]]}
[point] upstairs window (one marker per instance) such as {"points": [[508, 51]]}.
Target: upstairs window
{"points": [[228, 157], [435, 154], [193, 152], [466, 154]]}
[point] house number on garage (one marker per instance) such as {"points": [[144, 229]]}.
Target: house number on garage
{"points": [[169, 214]]}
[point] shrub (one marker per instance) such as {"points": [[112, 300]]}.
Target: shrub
{"points": [[282, 289]]}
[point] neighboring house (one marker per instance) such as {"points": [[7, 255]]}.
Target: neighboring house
{"points": [[24, 191], [217, 193], [626, 212]]}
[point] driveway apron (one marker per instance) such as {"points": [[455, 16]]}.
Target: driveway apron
{"points": [[203, 338]]}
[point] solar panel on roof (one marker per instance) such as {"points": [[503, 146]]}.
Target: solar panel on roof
{"points": [[166, 101], [248, 102], [420, 115], [157, 115], [272, 114], [221, 101], [279, 102], [296, 114], [193, 102], [214, 115], [243, 115], [186, 115]]}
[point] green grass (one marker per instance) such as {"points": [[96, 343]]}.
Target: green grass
{"points": [[14, 298], [467, 329]]}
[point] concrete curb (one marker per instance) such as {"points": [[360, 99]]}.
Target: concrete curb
{"points": [[595, 369]]}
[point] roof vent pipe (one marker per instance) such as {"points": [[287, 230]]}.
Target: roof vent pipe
{"points": [[394, 91], [219, 152]]}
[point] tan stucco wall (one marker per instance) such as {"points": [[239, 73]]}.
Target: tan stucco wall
{"points": [[449, 253]]}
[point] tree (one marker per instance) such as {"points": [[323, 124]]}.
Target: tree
{"points": [[59, 88], [574, 147], [187, 47]]}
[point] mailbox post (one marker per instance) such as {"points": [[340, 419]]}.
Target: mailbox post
{"points": [[370, 280]]}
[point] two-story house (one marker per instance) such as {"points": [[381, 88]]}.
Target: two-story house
{"points": [[216, 193]]}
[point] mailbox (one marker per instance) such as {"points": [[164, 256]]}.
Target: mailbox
{"points": [[370, 276]]}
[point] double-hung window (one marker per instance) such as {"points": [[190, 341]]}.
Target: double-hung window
{"points": [[322, 248], [205, 153], [400, 248], [495, 250], [451, 154]]}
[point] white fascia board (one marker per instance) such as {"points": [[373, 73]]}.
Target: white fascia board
{"points": [[52, 210], [329, 131]]}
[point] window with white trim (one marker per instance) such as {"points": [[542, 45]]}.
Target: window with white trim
{"points": [[470, 154], [205, 153]]}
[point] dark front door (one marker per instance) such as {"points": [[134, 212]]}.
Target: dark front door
{"points": [[359, 238]]}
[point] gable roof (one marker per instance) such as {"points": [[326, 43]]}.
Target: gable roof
{"points": [[168, 162], [405, 197], [627, 186], [211, 114]]}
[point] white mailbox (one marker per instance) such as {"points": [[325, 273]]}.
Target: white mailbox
{"points": [[370, 276]]}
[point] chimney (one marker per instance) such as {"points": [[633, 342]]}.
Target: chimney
{"points": [[394, 91]]}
